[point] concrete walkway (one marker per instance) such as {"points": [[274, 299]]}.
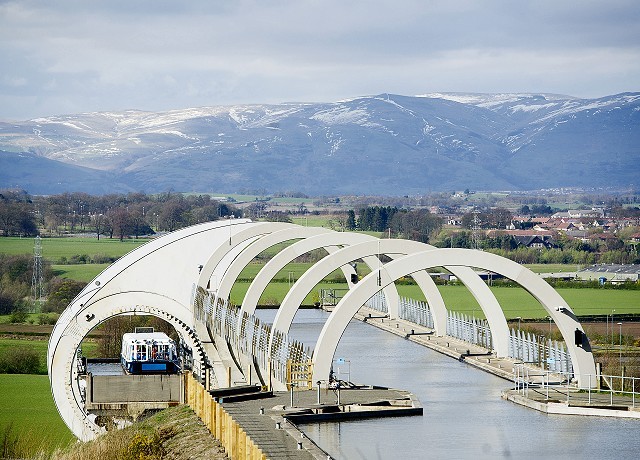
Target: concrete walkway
{"points": [[263, 419]]}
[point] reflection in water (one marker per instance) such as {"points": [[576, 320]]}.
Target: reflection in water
{"points": [[464, 416]]}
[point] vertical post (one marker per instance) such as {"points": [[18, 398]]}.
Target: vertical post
{"points": [[620, 324], [291, 401], [318, 393], [548, 375], [229, 377], [589, 388], [611, 392]]}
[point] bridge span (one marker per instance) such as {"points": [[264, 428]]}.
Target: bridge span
{"points": [[185, 278]]}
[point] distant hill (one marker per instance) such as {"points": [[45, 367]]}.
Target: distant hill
{"points": [[386, 144]]}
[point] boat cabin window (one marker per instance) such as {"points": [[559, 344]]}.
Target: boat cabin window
{"points": [[140, 351]]}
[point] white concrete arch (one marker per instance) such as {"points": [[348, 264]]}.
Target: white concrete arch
{"points": [[167, 265], [256, 247], [63, 370], [238, 234], [552, 302], [315, 274], [159, 276], [481, 292], [328, 241]]}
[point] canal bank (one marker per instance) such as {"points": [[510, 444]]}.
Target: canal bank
{"points": [[533, 392], [464, 414], [251, 422]]}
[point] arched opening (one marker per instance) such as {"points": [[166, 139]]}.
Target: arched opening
{"points": [[553, 303]]}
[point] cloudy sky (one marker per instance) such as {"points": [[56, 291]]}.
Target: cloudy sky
{"points": [[70, 56]]}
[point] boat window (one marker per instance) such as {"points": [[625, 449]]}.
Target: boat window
{"points": [[141, 352]]}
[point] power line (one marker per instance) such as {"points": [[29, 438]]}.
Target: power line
{"points": [[37, 279], [475, 235]]}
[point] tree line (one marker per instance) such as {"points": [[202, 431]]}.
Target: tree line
{"points": [[417, 224], [113, 215]]}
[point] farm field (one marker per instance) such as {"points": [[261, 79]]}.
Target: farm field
{"points": [[40, 344], [55, 248], [553, 268], [78, 272], [515, 301], [27, 405]]}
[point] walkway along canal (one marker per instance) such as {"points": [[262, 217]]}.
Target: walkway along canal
{"points": [[464, 414]]}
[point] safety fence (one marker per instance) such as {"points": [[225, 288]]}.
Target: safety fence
{"points": [[524, 346], [377, 302], [557, 386], [469, 328], [248, 336], [222, 426], [545, 353], [415, 311]]}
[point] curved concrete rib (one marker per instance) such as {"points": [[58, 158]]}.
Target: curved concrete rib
{"points": [[243, 259], [62, 369], [482, 293], [156, 278], [553, 303], [280, 260], [237, 235]]}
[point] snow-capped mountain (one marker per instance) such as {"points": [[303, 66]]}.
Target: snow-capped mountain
{"points": [[385, 144]]}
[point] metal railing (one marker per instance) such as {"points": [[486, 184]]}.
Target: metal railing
{"points": [[249, 336], [546, 353], [470, 329], [524, 346], [554, 386]]}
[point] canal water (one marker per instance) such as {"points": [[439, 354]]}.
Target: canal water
{"points": [[464, 416]]}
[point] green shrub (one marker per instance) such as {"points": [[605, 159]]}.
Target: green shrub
{"points": [[144, 447], [62, 293], [79, 259], [102, 259], [18, 316], [19, 360], [47, 319]]}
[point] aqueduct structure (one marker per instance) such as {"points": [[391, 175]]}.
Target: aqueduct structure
{"points": [[164, 278]]}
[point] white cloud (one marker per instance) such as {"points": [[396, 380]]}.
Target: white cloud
{"points": [[85, 56]]}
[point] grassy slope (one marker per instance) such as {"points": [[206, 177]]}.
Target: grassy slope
{"points": [[175, 433], [26, 403]]}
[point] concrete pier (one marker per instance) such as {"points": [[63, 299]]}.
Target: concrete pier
{"points": [[271, 422]]}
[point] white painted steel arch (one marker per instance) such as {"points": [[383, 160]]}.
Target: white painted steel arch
{"points": [[264, 242], [238, 235], [156, 278], [159, 278], [329, 241], [552, 302], [481, 292]]}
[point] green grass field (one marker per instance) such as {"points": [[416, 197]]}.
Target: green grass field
{"points": [[79, 272], [27, 405], [552, 268], [515, 301], [55, 248], [40, 346], [32, 318]]}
